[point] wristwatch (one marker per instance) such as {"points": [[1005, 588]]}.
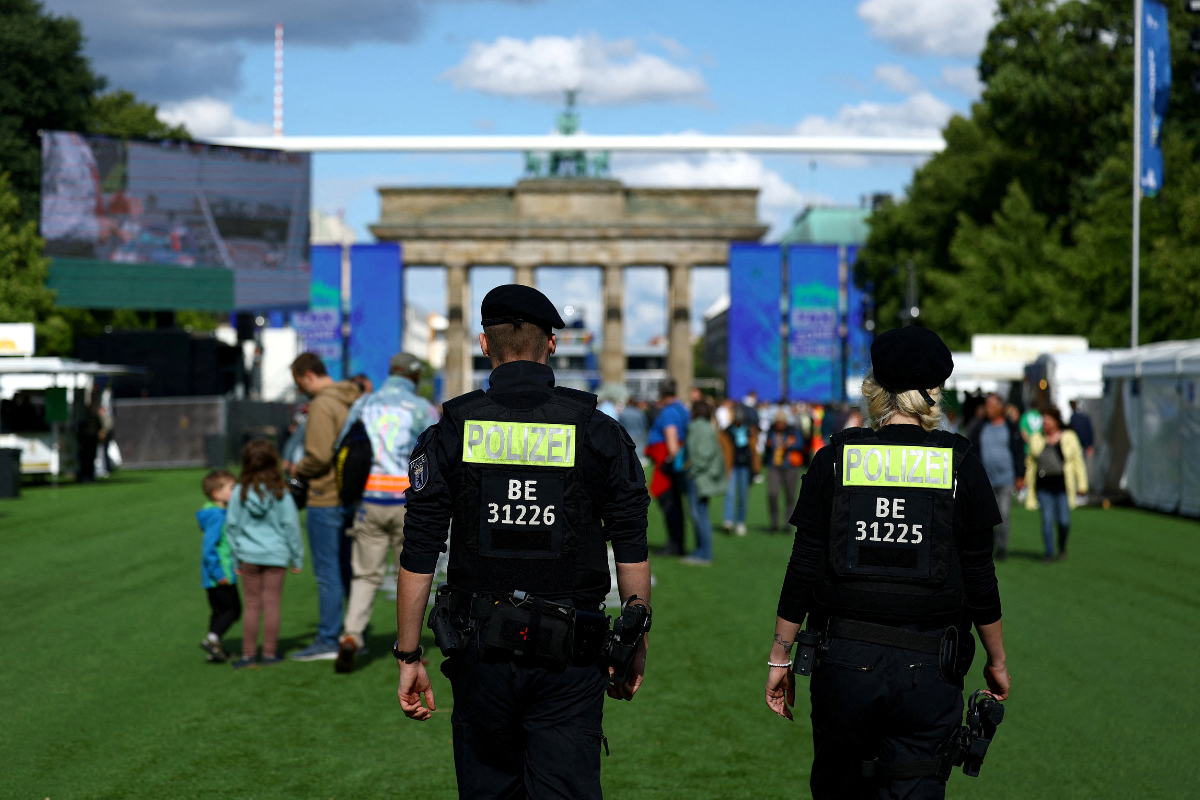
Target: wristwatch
{"points": [[407, 658]]}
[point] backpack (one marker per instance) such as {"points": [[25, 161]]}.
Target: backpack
{"points": [[352, 464]]}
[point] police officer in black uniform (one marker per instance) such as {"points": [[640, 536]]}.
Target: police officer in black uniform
{"points": [[531, 482], [892, 563]]}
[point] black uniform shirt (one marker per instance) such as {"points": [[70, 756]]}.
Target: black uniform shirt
{"points": [[975, 514], [523, 385]]}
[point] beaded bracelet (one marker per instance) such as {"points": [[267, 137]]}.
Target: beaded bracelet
{"points": [[788, 665]]}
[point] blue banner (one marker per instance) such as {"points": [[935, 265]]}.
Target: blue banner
{"points": [[1156, 92], [320, 328], [860, 338], [754, 346], [814, 347], [376, 308]]}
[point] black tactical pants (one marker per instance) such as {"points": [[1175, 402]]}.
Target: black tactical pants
{"points": [[870, 701], [525, 731]]}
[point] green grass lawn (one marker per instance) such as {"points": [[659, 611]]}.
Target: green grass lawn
{"points": [[104, 692]]}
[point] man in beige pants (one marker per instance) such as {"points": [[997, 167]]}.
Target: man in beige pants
{"points": [[393, 417]]}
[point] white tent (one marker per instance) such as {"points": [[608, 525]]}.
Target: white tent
{"points": [[1151, 426], [1077, 376], [973, 374]]}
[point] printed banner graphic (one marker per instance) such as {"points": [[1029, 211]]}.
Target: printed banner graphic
{"points": [[858, 338], [754, 346], [376, 309], [1156, 92], [814, 347], [321, 327]]}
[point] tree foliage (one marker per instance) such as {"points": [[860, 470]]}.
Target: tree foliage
{"points": [[119, 113], [46, 83], [1022, 224], [23, 293]]}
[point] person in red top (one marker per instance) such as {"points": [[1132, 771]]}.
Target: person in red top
{"points": [[665, 446]]}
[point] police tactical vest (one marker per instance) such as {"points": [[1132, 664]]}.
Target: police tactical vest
{"points": [[891, 551], [527, 515]]}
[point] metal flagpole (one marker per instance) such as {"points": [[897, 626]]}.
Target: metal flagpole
{"points": [[1137, 169], [277, 128]]}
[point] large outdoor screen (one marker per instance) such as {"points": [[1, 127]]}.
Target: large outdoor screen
{"points": [[182, 204]]}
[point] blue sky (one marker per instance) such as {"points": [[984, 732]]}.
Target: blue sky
{"points": [[874, 67]]}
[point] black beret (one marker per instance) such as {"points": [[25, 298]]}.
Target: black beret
{"points": [[910, 358], [514, 303]]}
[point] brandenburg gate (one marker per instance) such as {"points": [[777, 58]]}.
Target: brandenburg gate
{"points": [[569, 222]]}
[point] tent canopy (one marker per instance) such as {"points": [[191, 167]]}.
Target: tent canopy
{"points": [[62, 366], [1161, 359]]}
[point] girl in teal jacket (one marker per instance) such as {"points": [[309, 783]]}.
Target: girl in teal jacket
{"points": [[263, 528]]}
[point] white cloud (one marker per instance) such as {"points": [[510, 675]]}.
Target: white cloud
{"points": [[778, 200], [645, 309], [208, 116], [919, 115], [606, 72], [937, 27], [897, 78], [673, 47], [964, 79]]}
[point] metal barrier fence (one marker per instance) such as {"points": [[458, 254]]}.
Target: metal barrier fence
{"points": [[169, 432]]}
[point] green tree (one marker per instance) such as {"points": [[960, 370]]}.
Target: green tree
{"points": [[1022, 224], [119, 113], [46, 83], [23, 293], [1003, 281]]}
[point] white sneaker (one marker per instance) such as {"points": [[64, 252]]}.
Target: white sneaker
{"points": [[728, 526], [740, 530]]}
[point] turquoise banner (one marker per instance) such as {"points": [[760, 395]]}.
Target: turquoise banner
{"points": [[320, 327], [754, 346], [814, 347]]}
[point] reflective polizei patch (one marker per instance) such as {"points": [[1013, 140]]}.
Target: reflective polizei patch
{"points": [[897, 466], [512, 443]]}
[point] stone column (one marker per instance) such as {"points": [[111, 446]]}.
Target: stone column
{"points": [[612, 360], [458, 343], [523, 273], [679, 339]]}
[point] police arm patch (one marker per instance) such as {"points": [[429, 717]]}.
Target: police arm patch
{"points": [[418, 472]]}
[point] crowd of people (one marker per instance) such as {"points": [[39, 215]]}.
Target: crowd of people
{"points": [[710, 451], [1037, 458], [704, 452], [251, 522]]}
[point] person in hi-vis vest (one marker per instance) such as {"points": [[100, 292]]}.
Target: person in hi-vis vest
{"points": [[393, 417]]}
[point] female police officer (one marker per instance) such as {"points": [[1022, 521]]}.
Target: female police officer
{"points": [[892, 563]]}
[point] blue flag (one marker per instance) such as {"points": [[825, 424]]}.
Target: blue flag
{"points": [[1156, 92]]}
